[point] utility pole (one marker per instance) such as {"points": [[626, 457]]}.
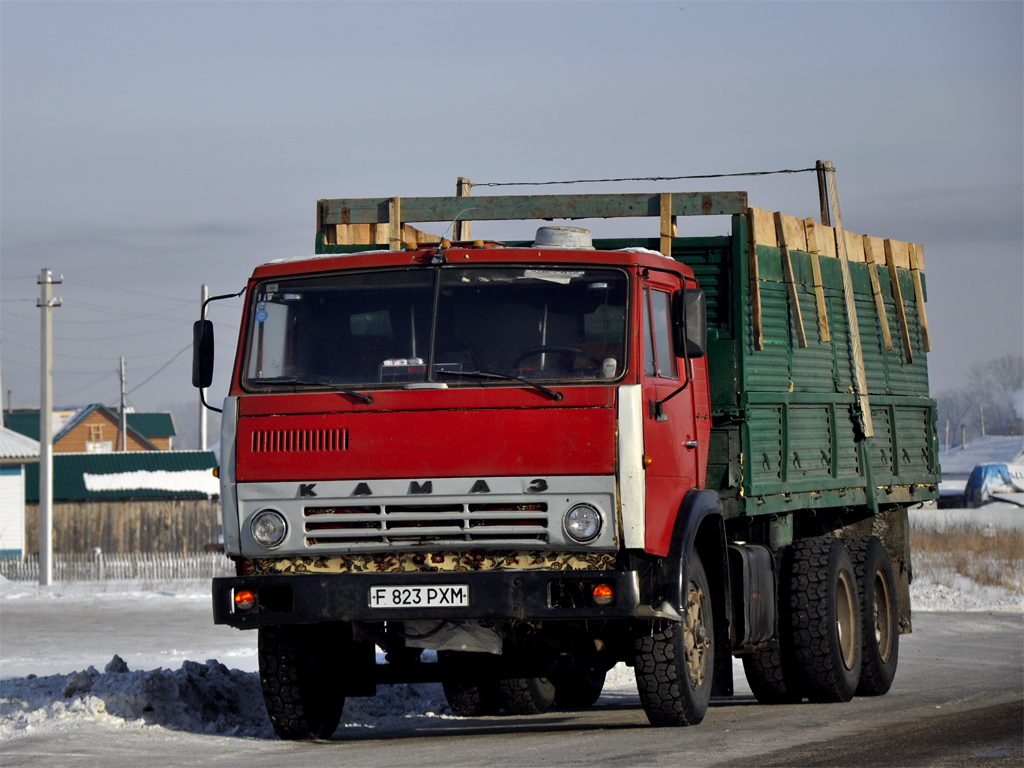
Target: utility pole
{"points": [[204, 294], [982, 409], [123, 423], [46, 304]]}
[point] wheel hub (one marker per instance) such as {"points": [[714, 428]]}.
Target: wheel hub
{"points": [[696, 640]]}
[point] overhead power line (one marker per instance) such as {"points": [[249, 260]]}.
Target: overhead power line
{"points": [[639, 178]]}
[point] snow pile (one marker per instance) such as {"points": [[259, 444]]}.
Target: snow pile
{"points": [[964, 595], [200, 698]]}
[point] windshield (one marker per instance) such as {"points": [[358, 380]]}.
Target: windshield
{"points": [[402, 326]]}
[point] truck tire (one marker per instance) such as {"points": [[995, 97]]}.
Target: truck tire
{"points": [[880, 637], [526, 695], [763, 669], [469, 698], [578, 689], [299, 673], [674, 665], [823, 638]]}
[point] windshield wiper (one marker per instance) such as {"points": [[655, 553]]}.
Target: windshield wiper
{"points": [[557, 396], [319, 381]]}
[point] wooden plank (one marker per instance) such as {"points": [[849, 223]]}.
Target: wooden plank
{"points": [[787, 275], [819, 289], [755, 282], [395, 223], [515, 207], [667, 224], [764, 228], [462, 229], [794, 233], [876, 289], [826, 239], [897, 294], [854, 247], [916, 251], [859, 376]]}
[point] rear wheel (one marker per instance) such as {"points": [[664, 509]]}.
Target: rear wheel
{"points": [[822, 639], [469, 698], [763, 670], [300, 678], [578, 689], [880, 634], [674, 666], [526, 695]]}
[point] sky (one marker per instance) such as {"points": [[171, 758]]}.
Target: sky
{"points": [[149, 148]]}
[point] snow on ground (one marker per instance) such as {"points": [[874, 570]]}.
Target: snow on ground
{"points": [[205, 696]]}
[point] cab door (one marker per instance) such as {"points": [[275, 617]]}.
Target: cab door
{"points": [[670, 437]]}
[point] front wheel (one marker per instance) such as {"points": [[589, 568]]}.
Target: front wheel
{"points": [[674, 666], [300, 678]]}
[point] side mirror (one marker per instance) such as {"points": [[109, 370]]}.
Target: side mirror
{"points": [[690, 322], [202, 354]]}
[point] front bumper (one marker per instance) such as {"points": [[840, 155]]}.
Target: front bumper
{"points": [[498, 595]]}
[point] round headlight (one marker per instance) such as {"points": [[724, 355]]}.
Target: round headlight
{"points": [[268, 528], [582, 522]]}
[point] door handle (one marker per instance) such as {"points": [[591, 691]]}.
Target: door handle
{"points": [[690, 443]]}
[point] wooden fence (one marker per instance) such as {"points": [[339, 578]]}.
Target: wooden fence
{"points": [[131, 525], [153, 567]]}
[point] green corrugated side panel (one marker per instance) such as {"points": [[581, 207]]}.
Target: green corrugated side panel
{"points": [[69, 468], [152, 424], [24, 423], [798, 437]]}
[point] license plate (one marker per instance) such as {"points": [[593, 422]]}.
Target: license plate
{"points": [[442, 596]]}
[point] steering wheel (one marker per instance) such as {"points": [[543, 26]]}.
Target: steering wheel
{"points": [[557, 350]]}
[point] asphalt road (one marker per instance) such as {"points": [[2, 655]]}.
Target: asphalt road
{"points": [[957, 701]]}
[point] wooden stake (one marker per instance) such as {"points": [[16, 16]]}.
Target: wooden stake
{"points": [[395, 223], [916, 265], [876, 289], [819, 289], [859, 376], [461, 230], [897, 294], [668, 224], [819, 166], [787, 275], [755, 282]]}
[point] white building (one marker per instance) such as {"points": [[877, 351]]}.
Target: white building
{"points": [[16, 451]]}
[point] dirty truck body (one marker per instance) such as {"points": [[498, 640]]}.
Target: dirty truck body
{"points": [[540, 459]]}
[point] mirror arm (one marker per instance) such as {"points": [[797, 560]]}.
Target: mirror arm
{"points": [[657, 406], [202, 317]]}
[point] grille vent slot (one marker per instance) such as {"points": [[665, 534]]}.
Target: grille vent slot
{"points": [[443, 524], [299, 440]]}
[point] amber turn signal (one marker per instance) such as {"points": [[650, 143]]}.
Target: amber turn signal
{"points": [[603, 594], [245, 599]]}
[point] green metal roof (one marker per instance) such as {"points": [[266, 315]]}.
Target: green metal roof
{"points": [[145, 425], [152, 424], [69, 470], [25, 422]]}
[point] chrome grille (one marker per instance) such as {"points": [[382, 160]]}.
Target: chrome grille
{"points": [[441, 524]]}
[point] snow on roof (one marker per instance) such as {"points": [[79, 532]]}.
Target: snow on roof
{"points": [[989, 449], [196, 480], [18, 447]]}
